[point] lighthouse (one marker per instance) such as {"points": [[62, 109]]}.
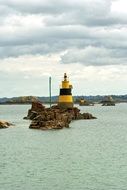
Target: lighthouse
{"points": [[65, 97]]}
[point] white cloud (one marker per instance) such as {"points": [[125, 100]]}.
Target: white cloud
{"points": [[29, 76], [119, 6]]}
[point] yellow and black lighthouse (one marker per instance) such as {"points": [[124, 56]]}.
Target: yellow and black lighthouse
{"points": [[65, 98]]}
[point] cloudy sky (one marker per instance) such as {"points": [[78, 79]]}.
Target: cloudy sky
{"points": [[87, 39]]}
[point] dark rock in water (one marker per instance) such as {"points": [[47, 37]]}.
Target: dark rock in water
{"points": [[4, 124], [54, 117], [84, 102], [88, 116], [108, 101]]}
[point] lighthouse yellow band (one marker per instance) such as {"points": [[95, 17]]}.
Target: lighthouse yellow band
{"points": [[66, 98], [65, 84]]}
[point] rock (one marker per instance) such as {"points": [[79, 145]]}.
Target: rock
{"points": [[37, 106], [48, 125], [25, 117], [54, 117], [84, 102], [108, 101], [4, 124], [88, 116], [32, 115]]}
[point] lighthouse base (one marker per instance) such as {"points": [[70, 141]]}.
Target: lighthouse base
{"points": [[65, 104]]}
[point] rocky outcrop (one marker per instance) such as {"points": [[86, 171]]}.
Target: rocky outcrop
{"points": [[108, 101], [4, 124], [54, 117], [85, 102]]}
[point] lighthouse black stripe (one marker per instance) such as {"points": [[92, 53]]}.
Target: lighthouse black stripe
{"points": [[65, 91]]}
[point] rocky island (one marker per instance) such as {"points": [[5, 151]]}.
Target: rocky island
{"points": [[55, 117], [84, 102], [108, 101], [58, 116]]}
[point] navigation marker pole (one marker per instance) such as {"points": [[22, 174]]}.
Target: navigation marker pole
{"points": [[50, 91]]}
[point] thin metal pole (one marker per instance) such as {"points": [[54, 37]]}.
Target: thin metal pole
{"points": [[50, 91]]}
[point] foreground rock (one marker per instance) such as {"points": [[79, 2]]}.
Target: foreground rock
{"points": [[4, 124], [54, 117]]}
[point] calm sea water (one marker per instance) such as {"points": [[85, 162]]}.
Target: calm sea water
{"points": [[91, 155]]}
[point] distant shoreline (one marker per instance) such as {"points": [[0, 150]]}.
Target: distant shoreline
{"points": [[25, 100], [51, 103]]}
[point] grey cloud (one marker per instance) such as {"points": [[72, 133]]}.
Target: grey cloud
{"points": [[55, 39], [55, 6], [77, 33], [5, 10], [94, 56], [85, 20], [68, 25], [42, 35], [84, 12], [16, 51]]}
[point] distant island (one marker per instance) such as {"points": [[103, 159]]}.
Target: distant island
{"points": [[30, 99], [18, 100]]}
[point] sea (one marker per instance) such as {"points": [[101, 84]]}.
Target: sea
{"points": [[90, 155]]}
